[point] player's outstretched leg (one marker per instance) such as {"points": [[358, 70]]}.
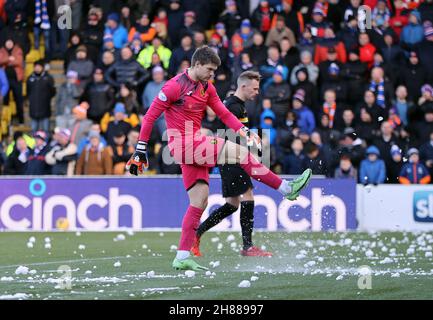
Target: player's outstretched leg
{"points": [[232, 153], [198, 201], [214, 218]]}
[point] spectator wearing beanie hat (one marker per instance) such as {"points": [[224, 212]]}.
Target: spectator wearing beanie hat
{"points": [[393, 168], [82, 65], [143, 29], [36, 164], [413, 33], [426, 98], [40, 91], [262, 16], [414, 172], [230, 18], [63, 154], [279, 93], [79, 124], [426, 154], [118, 31], [112, 124], [190, 26], [95, 158], [372, 169], [305, 118]]}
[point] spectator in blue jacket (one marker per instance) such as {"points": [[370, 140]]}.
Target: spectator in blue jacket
{"points": [[305, 117], [372, 169], [119, 32], [267, 120], [292, 163], [414, 172], [413, 33]]}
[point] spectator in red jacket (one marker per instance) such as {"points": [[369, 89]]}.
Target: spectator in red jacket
{"points": [[400, 17], [366, 49]]}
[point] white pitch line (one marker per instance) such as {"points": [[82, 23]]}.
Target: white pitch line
{"points": [[61, 262]]}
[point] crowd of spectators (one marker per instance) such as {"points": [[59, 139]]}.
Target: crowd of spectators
{"points": [[339, 97]]}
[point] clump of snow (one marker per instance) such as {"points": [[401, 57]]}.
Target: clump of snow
{"points": [[22, 270], [230, 238], [369, 253], [47, 245], [151, 274], [190, 273], [386, 260], [117, 264], [215, 239], [81, 247], [6, 279], [254, 278], [244, 284], [120, 237]]}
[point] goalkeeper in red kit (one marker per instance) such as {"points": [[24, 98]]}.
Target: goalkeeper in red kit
{"points": [[184, 100]]}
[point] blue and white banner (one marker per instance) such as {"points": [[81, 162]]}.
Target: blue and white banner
{"points": [[98, 204]]}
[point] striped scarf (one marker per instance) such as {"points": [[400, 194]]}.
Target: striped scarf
{"points": [[330, 110], [41, 14], [379, 91]]}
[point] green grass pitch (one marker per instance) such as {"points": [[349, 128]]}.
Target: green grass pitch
{"points": [[304, 266]]}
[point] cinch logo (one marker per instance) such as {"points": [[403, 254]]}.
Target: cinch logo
{"points": [[40, 210], [423, 206], [278, 213]]}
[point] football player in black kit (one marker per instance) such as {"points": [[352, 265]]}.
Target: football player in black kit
{"points": [[237, 187]]}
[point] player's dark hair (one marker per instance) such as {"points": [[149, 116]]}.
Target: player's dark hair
{"points": [[205, 55], [248, 76]]}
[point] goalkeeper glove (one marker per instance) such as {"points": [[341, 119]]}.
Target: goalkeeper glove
{"points": [[139, 161]]}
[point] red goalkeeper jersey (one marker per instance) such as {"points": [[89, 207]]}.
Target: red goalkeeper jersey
{"points": [[184, 103]]}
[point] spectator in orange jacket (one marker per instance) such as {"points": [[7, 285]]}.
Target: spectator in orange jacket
{"points": [[330, 41], [143, 27]]}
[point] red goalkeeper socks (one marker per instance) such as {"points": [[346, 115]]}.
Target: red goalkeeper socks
{"points": [[190, 223], [259, 172]]}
